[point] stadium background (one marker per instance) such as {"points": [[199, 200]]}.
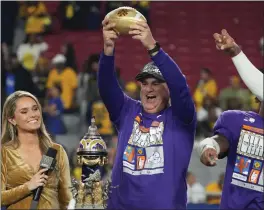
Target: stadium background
{"points": [[73, 30]]}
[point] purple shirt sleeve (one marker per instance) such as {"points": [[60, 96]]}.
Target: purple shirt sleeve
{"points": [[181, 100], [109, 88], [223, 125]]}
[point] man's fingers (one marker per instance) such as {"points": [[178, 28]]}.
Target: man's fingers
{"points": [[137, 27], [113, 33], [217, 37], [226, 46], [138, 37], [210, 157], [225, 35], [210, 161], [142, 24], [212, 153], [112, 36], [230, 40], [134, 32], [105, 21], [213, 158], [206, 160], [224, 32], [218, 45], [109, 26]]}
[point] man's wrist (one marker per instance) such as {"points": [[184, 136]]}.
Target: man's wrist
{"points": [[236, 50], [108, 51], [154, 50], [151, 47]]}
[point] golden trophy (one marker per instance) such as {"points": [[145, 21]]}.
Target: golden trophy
{"points": [[90, 192], [124, 17]]}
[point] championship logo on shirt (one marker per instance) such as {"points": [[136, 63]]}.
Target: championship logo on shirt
{"points": [[251, 142], [147, 149], [248, 169]]}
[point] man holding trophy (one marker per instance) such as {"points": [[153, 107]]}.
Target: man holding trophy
{"points": [[156, 134]]}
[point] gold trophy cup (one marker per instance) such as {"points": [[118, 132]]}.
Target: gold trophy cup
{"points": [[124, 17]]}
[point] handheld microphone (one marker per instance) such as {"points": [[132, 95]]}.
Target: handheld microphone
{"points": [[47, 161]]}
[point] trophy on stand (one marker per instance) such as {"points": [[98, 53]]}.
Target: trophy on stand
{"points": [[91, 192]]}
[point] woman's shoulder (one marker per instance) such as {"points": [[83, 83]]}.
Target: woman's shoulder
{"points": [[62, 156], [7, 150], [61, 151], [7, 147]]}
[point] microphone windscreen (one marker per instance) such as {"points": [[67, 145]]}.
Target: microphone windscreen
{"points": [[48, 159]]}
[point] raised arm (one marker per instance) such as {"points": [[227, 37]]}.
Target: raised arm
{"points": [[251, 76], [109, 89], [181, 100]]}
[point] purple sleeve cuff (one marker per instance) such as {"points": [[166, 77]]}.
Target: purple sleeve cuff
{"points": [[105, 59], [159, 57]]}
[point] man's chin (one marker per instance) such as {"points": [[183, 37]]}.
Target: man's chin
{"points": [[150, 108]]}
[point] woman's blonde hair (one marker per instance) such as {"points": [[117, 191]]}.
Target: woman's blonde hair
{"points": [[9, 131]]}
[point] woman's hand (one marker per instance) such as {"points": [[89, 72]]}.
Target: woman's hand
{"points": [[39, 179]]}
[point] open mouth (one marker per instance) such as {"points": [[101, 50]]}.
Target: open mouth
{"points": [[149, 97]]}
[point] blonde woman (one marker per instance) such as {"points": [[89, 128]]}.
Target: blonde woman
{"points": [[24, 141]]}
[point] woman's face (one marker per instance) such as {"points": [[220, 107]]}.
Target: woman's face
{"points": [[27, 116]]}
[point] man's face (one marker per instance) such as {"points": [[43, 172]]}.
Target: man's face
{"points": [[154, 95]]}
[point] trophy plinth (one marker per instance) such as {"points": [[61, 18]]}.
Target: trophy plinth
{"points": [[91, 192]]}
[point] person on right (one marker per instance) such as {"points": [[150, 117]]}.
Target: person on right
{"points": [[251, 76], [239, 136]]}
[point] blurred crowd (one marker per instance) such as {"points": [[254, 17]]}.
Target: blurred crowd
{"points": [[211, 102], [67, 92]]}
